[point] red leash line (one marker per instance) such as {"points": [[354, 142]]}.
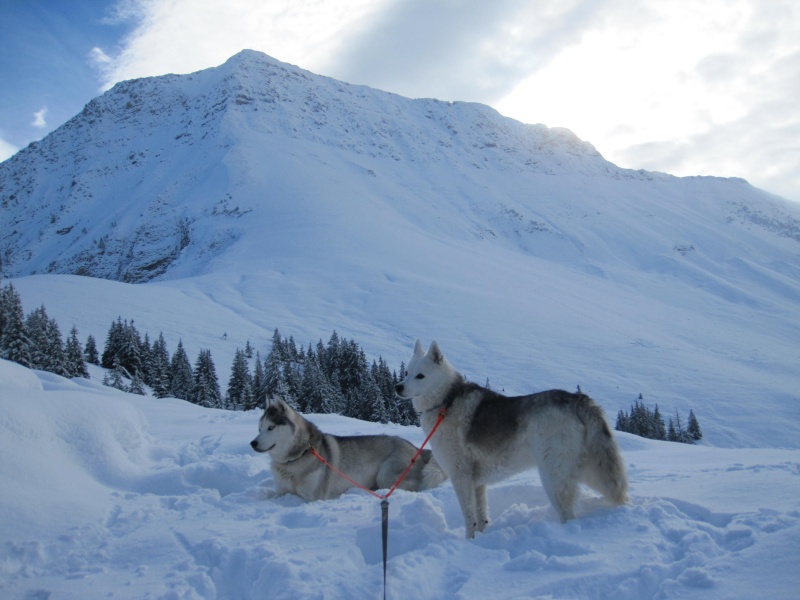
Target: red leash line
{"points": [[322, 459], [338, 472], [384, 499], [442, 413]]}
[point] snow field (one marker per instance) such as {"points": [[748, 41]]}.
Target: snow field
{"points": [[109, 495]]}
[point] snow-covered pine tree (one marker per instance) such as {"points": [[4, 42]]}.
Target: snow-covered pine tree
{"points": [[15, 345], [181, 377], [115, 378], [74, 354], [259, 383], [313, 386], [240, 390], [205, 390], [274, 383], [36, 326], [56, 350], [137, 386], [158, 362], [374, 402], [622, 423], [90, 353], [144, 353], [113, 344]]}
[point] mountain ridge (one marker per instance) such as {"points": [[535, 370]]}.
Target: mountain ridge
{"points": [[167, 147]]}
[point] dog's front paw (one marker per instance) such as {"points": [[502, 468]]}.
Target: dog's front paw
{"points": [[265, 494]]}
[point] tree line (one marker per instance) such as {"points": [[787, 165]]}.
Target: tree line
{"points": [[332, 377], [35, 341], [326, 378], [648, 423]]}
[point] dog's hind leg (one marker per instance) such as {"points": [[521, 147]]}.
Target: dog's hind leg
{"points": [[481, 508], [560, 493]]}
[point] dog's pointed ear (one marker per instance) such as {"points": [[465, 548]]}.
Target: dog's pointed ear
{"points": [[418, 349], [434, 353], [277, 403]]}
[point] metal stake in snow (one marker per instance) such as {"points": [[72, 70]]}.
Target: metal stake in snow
{"points": [[384, 538], [385, 498]]}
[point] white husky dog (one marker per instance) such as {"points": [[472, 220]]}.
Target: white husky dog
{"points": [[486, 437], [374, 461]]}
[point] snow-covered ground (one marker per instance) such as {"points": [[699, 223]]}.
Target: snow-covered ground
{"points": [[107, 495]]}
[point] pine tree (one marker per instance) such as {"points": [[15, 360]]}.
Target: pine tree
{"points": [[159, 368], [131, 351], [240, 391], [312, 387], [113, 344], [659, 430], [137, 386], [90, 354], [181, 377], [56, 355], [124, 344], [205, 390], [622, 422], [693, 427], [274, 383], [115, 378], [259, 383], [15, 345], [374, 402], [146, 370], [5, 294], [74, 353], [36, 325]]}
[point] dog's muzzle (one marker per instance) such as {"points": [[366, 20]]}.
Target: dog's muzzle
{"points": [[254, 446]]}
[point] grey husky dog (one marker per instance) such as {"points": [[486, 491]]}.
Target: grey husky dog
{"points": [[374, 461], [486, 437]]}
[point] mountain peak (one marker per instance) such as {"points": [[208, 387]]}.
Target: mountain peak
{"points": [[160, 177]]}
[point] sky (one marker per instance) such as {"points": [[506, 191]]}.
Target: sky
{"points": [[687, 87]]}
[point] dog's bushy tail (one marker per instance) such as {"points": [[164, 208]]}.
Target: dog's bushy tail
{"points": [[605, 469]]}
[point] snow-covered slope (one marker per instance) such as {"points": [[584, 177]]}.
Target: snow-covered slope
{"points": [[256, 196], [107, 495]]}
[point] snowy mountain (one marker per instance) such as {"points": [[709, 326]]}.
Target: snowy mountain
{"points": [[259, 195], [218, 206]]}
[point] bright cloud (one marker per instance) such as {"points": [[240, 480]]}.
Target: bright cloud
{"points": [[39, 118], [183, 36], [7, 150]]}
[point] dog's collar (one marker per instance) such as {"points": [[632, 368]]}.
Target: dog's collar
{"points": [[459, 388], [298, 457]]}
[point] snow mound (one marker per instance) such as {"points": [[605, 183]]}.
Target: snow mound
{"points": [[119, 496]]}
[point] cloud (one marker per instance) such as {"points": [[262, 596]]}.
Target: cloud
{"points": [[686, 88], [182, 36], [7, 150], [468, 50], [39, 118]]}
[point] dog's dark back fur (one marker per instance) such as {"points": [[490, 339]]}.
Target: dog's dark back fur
{"points": [[498, 416]]}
